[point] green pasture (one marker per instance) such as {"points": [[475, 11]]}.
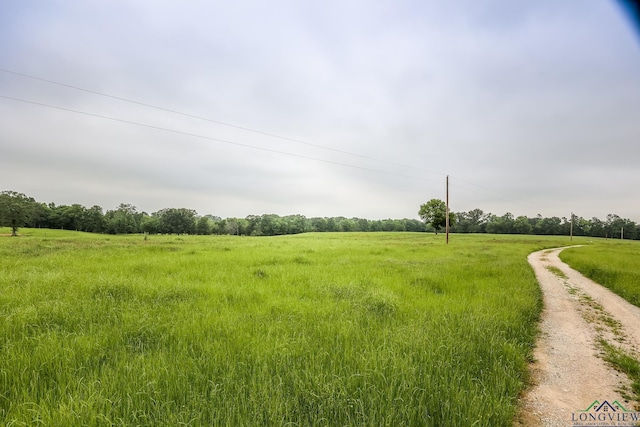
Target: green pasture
{"points": [[612, 263], [616, 265], [327, 329]]}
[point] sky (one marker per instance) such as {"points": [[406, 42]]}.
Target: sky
{"points": [[336, 108]]}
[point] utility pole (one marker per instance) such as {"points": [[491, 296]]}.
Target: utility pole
{"points": [[447, 213], [571, 228]]}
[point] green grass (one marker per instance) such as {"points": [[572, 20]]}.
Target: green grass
{"points": [[556, 271], [624, 363], [380, 329], [614, 264]]}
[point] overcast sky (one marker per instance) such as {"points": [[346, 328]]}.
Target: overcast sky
{"points": [[531, 107]]}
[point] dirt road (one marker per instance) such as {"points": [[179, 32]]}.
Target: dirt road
{"points": [[569, 373]]}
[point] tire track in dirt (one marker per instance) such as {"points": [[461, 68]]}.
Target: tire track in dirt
{"points": [[568, 373]]}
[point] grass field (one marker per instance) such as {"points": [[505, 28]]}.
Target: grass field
{"points": [[378, 329], [612, 263], [616, 265]]}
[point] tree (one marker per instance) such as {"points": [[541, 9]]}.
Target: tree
{"points": [[473, 221], [521, 225], [252, 225], [345, 224], [362, 224], [500, 224], [123, 220], [319, 224], [40, 215], [581, 226], [597, 228], [331, 225], [549, 226], [93, 219], [297, 224], [434, 213], [76, 214], [55, 216], [177, 221], [203, 226], [16, 210], [413, 225], [150, 224], [615, 225]]}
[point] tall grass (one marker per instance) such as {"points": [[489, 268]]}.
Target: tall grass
{"points": [[316, 329], [612, 263]]}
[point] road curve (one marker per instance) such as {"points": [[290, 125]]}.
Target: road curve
{"points": [[569, 374]]}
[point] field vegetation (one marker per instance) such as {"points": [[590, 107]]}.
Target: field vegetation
{"points": [[611, 263], [614, 264], [376, 329], [18, 210]]}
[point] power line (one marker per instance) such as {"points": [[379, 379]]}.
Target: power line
{"points": [[486, 191], [218, 122], [239, 144]]}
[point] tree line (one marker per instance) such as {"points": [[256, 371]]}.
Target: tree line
{"points": [[18, 210], [477, 221]]}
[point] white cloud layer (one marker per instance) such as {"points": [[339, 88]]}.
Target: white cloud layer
{"points": [[530, 107]]}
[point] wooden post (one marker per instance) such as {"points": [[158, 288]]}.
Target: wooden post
{"points": [[571, 228], [447, 213]]}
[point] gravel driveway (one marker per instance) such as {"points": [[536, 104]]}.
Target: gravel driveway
{"points": [[569, 374]]}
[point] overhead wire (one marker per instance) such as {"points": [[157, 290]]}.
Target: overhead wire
{"points": [[225, 141], [218, 122], [488, 192]]}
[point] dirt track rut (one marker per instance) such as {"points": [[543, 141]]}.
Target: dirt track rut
{"points": [[569, 373]]}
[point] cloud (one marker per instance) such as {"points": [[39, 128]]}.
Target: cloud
{"points": [[529, 107]]}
